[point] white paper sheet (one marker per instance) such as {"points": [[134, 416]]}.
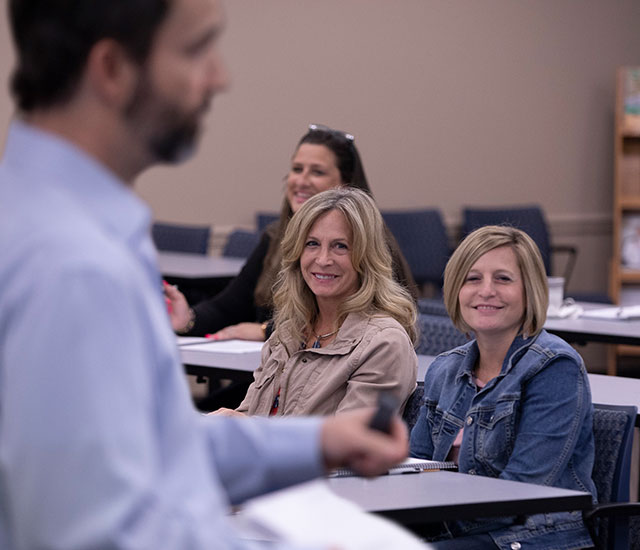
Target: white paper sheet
{"points": [[311, 514], [190, 340], [226, 346], [614, 313]]}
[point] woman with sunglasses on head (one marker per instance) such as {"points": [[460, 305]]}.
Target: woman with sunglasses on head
{"points": [[324, 159], [514, 403], [344, 329]]}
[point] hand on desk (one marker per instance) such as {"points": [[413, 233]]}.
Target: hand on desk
{"points": [[348, 441], [241, 331], [223, 411], [177, 306]]}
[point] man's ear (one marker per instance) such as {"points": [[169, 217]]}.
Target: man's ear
{"points": [[111, 72]]}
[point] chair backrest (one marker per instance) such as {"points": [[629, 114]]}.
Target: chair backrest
{"points": [[613, 435], [432, 306], [437, 334], [240, 243], [423, 240], [181, 238], [412, 408], [528, 218], [265, 218]]}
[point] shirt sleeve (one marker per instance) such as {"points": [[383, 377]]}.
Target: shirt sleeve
{"points": [[387, 362], [554, 405], [256, 455], [99, 444]]}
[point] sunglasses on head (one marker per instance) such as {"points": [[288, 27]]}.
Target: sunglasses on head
{"points": [[323, 128]]}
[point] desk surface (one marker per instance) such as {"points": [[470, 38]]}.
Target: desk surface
{"points": [[595, 330], [438, 496], [208, 357], [198, 266]]}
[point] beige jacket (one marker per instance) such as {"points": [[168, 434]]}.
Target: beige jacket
{"points": [[369, 354]]}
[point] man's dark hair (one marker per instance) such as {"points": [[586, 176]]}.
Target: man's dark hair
{"points": [[53, 39]]}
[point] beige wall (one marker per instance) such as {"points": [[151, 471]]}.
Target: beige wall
{"points": [[452, 103]]}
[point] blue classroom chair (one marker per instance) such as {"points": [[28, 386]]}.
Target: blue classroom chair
{"points": [[240, 243], [608, 522], [423, 240], [181, 238]]}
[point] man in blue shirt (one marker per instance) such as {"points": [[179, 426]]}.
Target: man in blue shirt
{"points": [[100, 446]]}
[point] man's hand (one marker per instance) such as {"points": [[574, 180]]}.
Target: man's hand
{"points": [[347, 440]]}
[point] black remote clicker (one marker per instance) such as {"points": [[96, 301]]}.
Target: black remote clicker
{"points": [[387, 406]]}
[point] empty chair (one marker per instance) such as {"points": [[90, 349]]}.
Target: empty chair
{"points": [[240, 243], [531, 220], [265, 218], [432, 306], [438, 334], [181, 238], [613, 434], [423, 240]]}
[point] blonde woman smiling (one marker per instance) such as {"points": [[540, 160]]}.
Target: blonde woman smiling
{"points": [[344, 329]]}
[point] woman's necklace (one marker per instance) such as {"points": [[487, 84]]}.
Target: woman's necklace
{"points": [[320, 337]]}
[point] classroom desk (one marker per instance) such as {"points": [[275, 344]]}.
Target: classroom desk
{"points": [[206, 359], [199, 277], [203, 357], [198, 266], [615, 390], [583, 330], [428, 497]]}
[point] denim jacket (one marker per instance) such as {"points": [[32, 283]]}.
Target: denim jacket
{"points": [[531, 423]]}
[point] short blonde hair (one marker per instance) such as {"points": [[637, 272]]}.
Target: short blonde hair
{"points": [[377, 292], [534, 277]]}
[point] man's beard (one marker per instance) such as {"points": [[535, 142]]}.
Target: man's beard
{"points": [[170, 135], [177, 143]]}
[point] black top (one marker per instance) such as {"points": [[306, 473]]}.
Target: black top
{"points": [[236, 303]]}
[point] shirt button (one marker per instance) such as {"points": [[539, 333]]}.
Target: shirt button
{"points": [[304, 360], [516, 546], [469, 421]]}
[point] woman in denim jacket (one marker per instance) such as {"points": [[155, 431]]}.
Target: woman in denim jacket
{"points": [[515, 402]]}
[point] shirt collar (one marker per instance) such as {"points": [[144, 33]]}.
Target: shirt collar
{"points": [[60, 162], [517, 349], [350, 333]]}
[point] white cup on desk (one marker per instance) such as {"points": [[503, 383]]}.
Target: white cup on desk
{"points": [[556, 295]]}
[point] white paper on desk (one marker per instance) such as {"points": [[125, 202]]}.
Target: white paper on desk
{"points": [[311, 514], [228, 346], [614, 313], [190, 340]]}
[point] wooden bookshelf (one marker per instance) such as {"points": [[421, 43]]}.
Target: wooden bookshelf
{"points": [[626, 194]]}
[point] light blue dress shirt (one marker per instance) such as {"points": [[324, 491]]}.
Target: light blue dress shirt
{"points": [[100, 446]]}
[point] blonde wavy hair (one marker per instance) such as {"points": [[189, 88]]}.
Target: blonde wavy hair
{"points": [[534, 277], [378, 292]]}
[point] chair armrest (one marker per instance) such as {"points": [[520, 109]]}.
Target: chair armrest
{"points": [[572, 254], [620, 509], [615, 509]]}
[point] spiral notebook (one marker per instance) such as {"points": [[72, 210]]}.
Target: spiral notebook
{"points": [[408, 466]]}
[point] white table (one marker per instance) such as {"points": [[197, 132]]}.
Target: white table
{"points": [[198, 266], [211, 357], [583, 329], [234, 359]]}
